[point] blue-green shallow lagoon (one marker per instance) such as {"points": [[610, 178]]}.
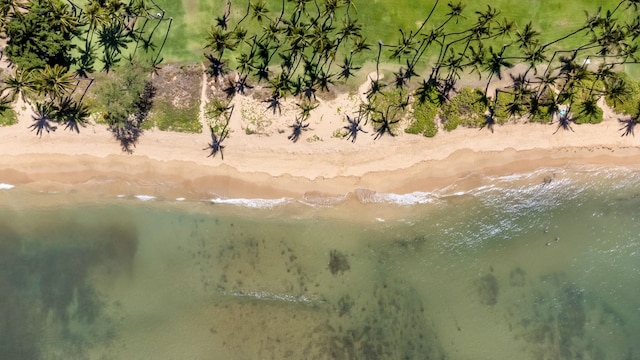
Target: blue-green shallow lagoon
{"points": [[544, 265]]}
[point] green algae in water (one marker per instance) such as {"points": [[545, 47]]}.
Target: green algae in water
{"points": [[522, 269]]}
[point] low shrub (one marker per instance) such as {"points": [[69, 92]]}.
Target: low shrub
{"points": [[8, 117], [423, 119], [465, 109], [587, 112], [630, 102]]}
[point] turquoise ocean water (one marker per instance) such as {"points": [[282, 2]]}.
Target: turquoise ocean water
{"points": [[542, 265]]}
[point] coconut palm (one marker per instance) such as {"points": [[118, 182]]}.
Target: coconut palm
{"points": [[534, 56], [616, 90], [114, 40], [376, 84], [259, 11], [72, 114], [54, 81], [305, 109], [22, 83], [496, 62], [157, 59]]}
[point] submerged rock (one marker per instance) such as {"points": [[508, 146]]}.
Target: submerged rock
{"points": [[488, 289], [517, 277], [338, 262]]}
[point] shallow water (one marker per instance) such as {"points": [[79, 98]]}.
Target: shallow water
{"points": [[543, 265]]}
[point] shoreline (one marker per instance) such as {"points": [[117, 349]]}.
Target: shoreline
{"points": [[269, 166], [129, 175]]}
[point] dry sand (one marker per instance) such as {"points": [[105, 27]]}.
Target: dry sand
{"points": [[267, 165]]}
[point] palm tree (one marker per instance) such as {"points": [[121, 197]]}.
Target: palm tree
{"points": [[72, 114], [113, 39], [528, 37], [21, 83], [259, 11], [347, 68], [496, 63], [376, 85], [305, 109], [64, 20], [54, 81]]}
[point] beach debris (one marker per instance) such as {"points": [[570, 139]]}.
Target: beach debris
{"points": [[338, 262]]}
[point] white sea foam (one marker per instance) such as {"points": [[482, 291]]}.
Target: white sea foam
{"points": [[414, 198], [180, 199], [4, 186], [264, 295], [145, 197], [323, 201], [252, 203]]}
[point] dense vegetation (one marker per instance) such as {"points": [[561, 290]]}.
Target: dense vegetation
{"points": [[55, 47], [303, 48]]}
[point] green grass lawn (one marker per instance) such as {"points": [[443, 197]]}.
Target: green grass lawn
{"points": [[380, 19]]}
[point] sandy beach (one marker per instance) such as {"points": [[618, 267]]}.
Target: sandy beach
{"points": [[268, 165]]}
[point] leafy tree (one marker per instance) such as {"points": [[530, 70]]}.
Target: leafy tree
{"points": [[126, 99], [42, 36]]}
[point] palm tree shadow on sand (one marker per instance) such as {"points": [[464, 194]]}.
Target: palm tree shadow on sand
{"points": [[297, 128], [353, 128], [628, 126], [564, 120], [128, 131]]}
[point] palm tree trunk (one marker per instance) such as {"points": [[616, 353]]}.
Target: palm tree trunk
{"points": [[155, 61]]}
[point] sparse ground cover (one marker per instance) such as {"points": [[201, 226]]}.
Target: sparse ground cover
{"points": [[176, 103]]}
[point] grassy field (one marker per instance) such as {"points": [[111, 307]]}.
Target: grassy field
{"points": [[380, 19]]}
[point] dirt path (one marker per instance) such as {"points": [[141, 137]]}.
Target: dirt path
{"points": [[203, 102]]}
